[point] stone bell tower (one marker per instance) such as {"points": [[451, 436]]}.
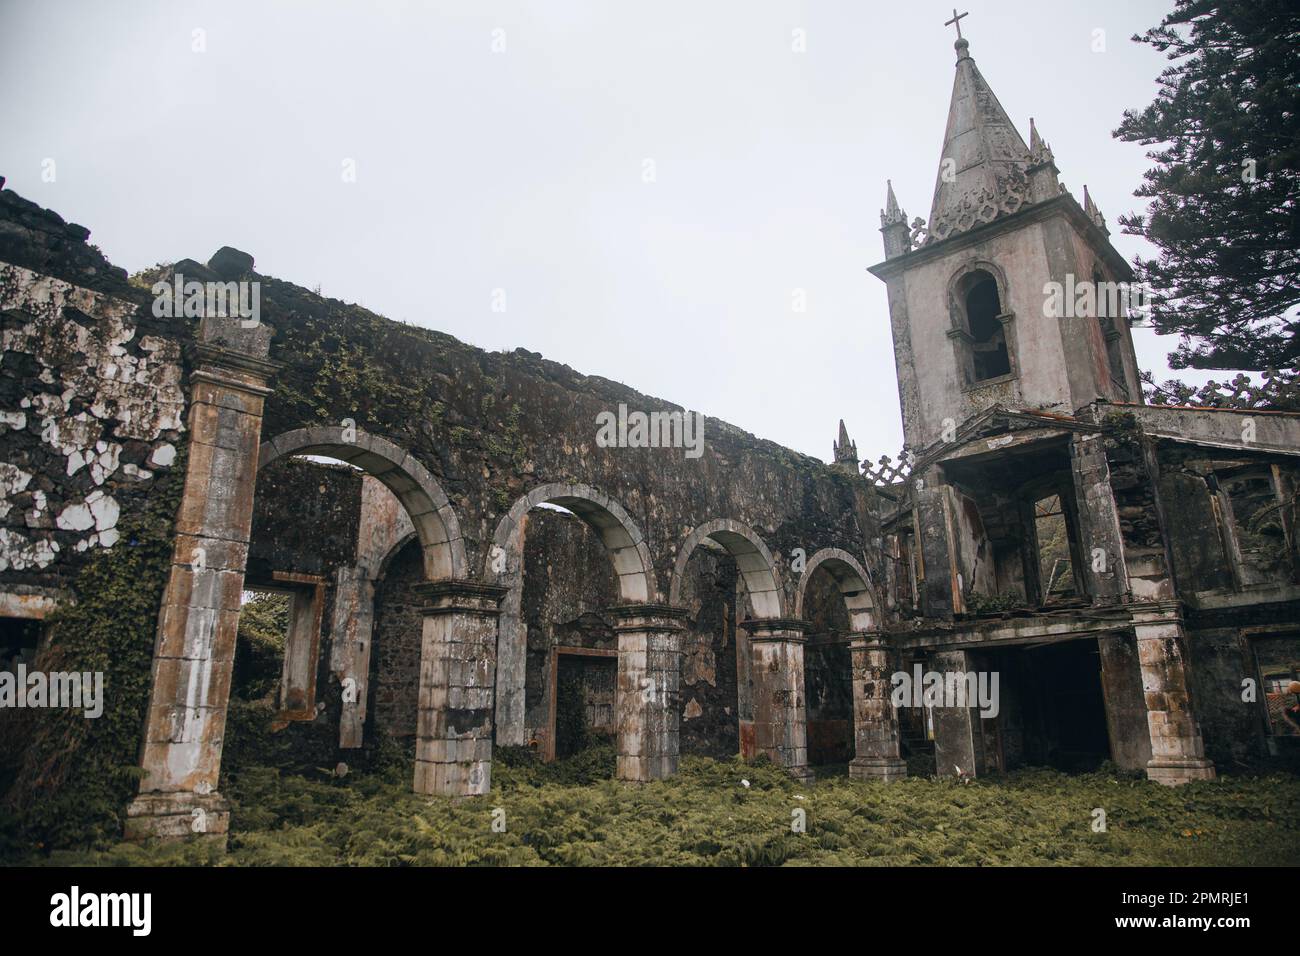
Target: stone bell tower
{"points": [[987, 302]]}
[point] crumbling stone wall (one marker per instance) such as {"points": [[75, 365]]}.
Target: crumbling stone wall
{"points": [[305, 526], [91, 409], [98, 384], [395, 655], [828, 672], [489, 426], [92, 449], [305, 519], [568, 588], [712, 700]]}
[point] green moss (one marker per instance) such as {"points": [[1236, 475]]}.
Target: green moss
{"points": [[509, 444], [573, 813], [979, 603], [1121, 428]]}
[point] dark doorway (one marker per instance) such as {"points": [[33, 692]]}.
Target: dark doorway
{"points": [[1064, 712], [584, 701], [19, 640]]}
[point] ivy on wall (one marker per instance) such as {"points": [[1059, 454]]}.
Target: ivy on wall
{"points": [[72, 776]]}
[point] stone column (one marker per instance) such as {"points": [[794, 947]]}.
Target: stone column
{"points": [[647, 695], [195, 646], [1126, 709], [875, 721], [958, 733], [1101, 543], [1177, 751], [453, 745], [354, 618], [940, 594], [780, 711]]}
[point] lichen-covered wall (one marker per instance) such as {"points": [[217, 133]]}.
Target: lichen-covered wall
{"points": [[828, 672], [91, 410], [305, 519], [490, 426], [93, 398], [714, 657], [568, 588]]}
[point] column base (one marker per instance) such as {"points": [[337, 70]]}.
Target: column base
{"points": [[801, 774], [178, 815], [459, 767], [1174, 772], [881, 769], [631, 768]]}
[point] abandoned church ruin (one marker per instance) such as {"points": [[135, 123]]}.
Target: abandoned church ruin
{"points": [[462, 567]]}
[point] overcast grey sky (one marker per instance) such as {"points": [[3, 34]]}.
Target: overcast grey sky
{"points": [[524, 169]]}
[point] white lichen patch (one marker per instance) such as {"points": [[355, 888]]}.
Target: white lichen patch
{"points": [[163, 456], [97, 390], [20, 553], [13, 481], [37, 516], [75, 518]]}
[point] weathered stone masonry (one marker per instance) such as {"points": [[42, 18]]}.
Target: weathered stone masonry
{"points": [[1045, 515], [470, 443], [1045, 524]]}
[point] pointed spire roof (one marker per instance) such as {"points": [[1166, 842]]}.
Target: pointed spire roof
{"points": [[982, 166], [845, 451], [1090, 208], [891, 214], [1035, 141], [1040, 151]]}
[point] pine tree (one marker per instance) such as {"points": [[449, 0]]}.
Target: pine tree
{"points": [[1225, 187]]}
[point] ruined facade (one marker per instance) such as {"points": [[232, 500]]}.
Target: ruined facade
{"points": [[463, 567], [1129, 571]]}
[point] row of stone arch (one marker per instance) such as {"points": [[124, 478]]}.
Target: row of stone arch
{"points": [[473, 650], [443, 545]]}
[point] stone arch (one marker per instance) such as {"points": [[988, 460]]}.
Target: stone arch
{"points": [[435, 521], [984, 343], [965, 269], [380, 571], [853, 581], [628, 552], [752, 557]]}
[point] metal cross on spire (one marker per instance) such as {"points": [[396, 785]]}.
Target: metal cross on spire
{"points": [[956, 21]]}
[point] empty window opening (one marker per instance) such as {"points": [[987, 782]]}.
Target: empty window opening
{"points": [[259, 649], [1055, 569], [279, 639], [988, 343], [1257, 523], [1278, 659]]}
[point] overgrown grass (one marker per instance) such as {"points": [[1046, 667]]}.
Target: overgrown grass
{"points": [[573, 813]]}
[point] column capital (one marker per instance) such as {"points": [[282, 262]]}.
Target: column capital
{"points": [[870, 640], [647, 615], [1156, 612], [776, 629], [209, 356], [457, 595]]}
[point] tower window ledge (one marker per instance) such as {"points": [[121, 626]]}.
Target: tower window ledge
{"points": [[990, 382]]}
